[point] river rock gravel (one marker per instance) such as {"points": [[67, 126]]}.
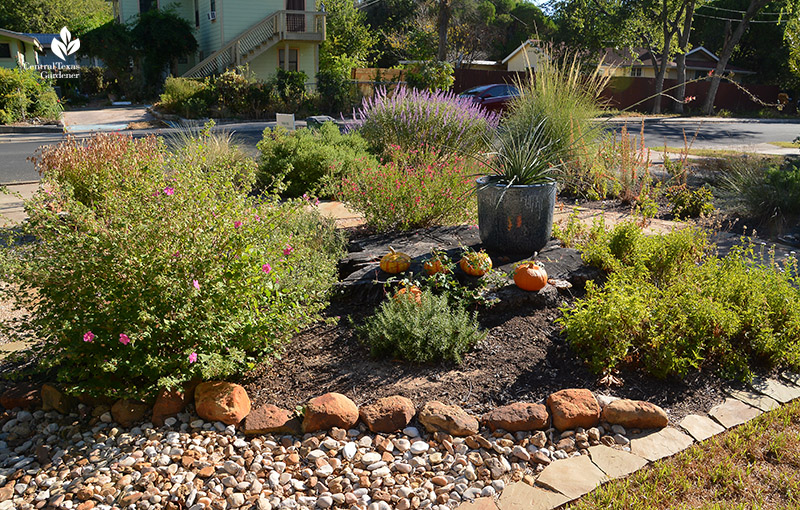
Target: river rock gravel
{"points": [[48, 460]]}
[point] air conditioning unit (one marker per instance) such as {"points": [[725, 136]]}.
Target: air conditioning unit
{"points": [[212, 15]]}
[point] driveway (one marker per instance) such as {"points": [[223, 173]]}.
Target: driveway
{"points": [[113, 118]]}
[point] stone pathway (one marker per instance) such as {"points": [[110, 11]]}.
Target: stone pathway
{"points": [[567, 480]]}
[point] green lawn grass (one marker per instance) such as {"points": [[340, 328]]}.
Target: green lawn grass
{"points": [[786, 145], [755, 466]]}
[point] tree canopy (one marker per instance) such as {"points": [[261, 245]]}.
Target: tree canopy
{"points": [[48, 16]]}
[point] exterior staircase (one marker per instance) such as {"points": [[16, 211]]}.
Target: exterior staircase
{"points": [[275, 28]]}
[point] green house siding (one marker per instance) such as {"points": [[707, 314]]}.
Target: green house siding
{"points": [[266, 65], [17, 47], [239, 15]]}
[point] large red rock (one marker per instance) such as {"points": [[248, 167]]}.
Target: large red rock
{"points": [[168, 403], [635, 414], [221, 401], [25, 396], [53, 398], [270, 419], [520, 416], [126, 412], [388, 414], [573, 408], [328, 411], [438, 417]]}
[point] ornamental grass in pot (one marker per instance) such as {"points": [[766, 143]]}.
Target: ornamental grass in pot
{"points": [[517, 197]]}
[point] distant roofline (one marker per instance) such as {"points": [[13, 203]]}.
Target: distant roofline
{"points": [[21, 37]]}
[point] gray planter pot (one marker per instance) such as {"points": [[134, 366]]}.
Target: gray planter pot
{"points": [[515, 219]]}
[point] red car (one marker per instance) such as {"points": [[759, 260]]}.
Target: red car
{"points": [[493, 97]]}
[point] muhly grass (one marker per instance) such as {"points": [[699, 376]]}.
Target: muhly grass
{"points": [[444, 122]]}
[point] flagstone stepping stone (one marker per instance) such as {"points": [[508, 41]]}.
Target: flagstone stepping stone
{"points": [[701, 427], [572, 477], [615, 463], [479, 504], [657, 445], [754, 399], [521, 496], [733, 412], [792, 377], [780, 391]]}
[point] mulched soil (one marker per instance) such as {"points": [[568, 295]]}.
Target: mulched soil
{"points": [[523, 358]]}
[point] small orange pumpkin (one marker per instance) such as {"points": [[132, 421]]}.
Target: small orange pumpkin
{"points": [[475, 263], [395, 262], [530, 276], [411, 292], [438, 263]]}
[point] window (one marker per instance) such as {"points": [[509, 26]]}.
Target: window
{"points": [[636, 71], [145, 5], [213, 6], [196, 14], [292, 59], [5, 50]]}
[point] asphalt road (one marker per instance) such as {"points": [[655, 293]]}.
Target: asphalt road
{"points": [[711, 133]]}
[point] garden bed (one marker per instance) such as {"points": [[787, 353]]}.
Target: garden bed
{"points": [[523, 358]]}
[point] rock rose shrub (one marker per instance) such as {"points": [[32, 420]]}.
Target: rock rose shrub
{"points": [[160, 267]]}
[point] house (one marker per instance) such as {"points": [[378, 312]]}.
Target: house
{"points": [[526, 56], [264, 34], [638, 63], [18, 49]]}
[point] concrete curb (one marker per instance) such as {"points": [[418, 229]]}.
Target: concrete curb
{"points": [[30, 129]]}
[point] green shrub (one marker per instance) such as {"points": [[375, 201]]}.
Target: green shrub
{"points": [[24, 96], [670, 309], [689, 203], [291, 85], [433, 330], [310, 161], [412, 189], [169, 271], [430, 75], [337, 92], [186, 97]]}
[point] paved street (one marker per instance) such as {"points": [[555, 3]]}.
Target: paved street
{"points": [[748, 135]]}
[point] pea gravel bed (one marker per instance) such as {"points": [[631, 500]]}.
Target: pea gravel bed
{"points": [[55, 461]]}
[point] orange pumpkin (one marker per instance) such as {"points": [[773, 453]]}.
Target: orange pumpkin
{"points": [[436, 264], [475, 263], [411, 292], [530, 276], [395, 262]]}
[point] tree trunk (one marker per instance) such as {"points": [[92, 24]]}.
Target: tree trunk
{"points": [[443, 23], [727, 50], [680, 59], [662, 71]]}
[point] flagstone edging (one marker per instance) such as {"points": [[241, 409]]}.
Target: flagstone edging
{"points": [[572, 478]]}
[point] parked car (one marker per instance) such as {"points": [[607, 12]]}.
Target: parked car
{"points": [[493, 97]]}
